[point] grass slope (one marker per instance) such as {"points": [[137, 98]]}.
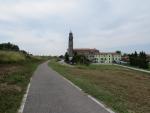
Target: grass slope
{"points": [[11, 56], [124, 90], [15, 73]]}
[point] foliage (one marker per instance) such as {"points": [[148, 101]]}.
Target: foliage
{"points": [[61, 56], [13, 83], [66, 57], [143, 61], [119, 52], [140, 60], [11, 57], [80, 59], [9, 46]]}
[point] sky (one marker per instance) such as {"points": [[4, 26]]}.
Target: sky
{"points": [[41, 27]]}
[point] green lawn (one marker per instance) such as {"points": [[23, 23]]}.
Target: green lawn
{"points": [[15, 74], [121, 89]]}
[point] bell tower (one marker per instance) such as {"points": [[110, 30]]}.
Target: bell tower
{"points": [[70, 45]]}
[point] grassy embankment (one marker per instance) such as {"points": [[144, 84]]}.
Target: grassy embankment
{"points": [[136, 67], [15, 73], [123, 90]]}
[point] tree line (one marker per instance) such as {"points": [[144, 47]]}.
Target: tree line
{"points": [[12, 47], [139, 60], [76, 59], [9, 46]]}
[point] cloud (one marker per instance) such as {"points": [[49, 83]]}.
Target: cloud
{"points": [[46, 44], [42, 26], [34, 9]]}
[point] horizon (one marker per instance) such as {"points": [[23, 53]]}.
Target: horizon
{"points": [[42, 27]]}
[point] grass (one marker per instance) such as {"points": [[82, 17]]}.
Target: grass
{"points": [[14, 78], [121, 89], [11, 56], [136, 66]]}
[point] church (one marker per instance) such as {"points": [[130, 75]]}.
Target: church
{"points": [[94, 55]]}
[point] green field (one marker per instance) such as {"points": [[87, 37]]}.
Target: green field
{"points": [[15, 73], [121, 89]]}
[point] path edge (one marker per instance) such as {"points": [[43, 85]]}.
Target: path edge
{"points": [[89, 96], [21, 108]]}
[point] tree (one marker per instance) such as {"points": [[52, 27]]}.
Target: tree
{"points": [[61, 56], [9, 46], [66, 57], [119, 52], [143, 61], [140, 60], [136, 59], [81, 59]]}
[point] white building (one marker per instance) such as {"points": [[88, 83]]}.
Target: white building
{"points": [[107, 58]]}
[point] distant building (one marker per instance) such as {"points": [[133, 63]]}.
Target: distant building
{"points": [[107, 58], [89, 53], [93, 54]]}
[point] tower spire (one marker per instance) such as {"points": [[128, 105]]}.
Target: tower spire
{"points": [[70, 44]]}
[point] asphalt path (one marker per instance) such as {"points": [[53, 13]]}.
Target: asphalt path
{"points": [[50, 93]]}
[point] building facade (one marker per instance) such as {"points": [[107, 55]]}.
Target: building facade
{"points": [[107, 58], [88, 53]]}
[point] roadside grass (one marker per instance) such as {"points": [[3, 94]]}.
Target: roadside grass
{"points": [[121, 89], [11, 56], [15, 74], [136, 67]]}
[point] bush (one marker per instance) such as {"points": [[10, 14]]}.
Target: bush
{"points": [[9, 46], [10, 57]]}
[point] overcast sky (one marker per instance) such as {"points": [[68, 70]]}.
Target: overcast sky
{"points": [[42, 26]]}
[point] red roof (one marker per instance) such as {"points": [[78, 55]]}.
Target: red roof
{"points": [[85, 49], [95, 50], [105, 53]]}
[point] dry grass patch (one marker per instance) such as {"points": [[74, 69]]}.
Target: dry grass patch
{"points": [[5, 69], [13, 82], [125, 91]]}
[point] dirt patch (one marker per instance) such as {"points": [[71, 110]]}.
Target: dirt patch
{"points": [[6, 69], [6, 87]]}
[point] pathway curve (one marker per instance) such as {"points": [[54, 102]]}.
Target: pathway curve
{"points": [[50, 93]]}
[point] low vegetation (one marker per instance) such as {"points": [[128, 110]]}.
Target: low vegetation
{"points": [[14, 79], [11, 57], [123, 90], [16, 69], [77, 59]]}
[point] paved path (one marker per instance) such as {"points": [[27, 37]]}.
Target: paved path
{"points": [[50, 93], [136, 69]]}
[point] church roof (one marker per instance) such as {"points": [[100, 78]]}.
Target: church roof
{"points": [[85, 49], [106, 53]]}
